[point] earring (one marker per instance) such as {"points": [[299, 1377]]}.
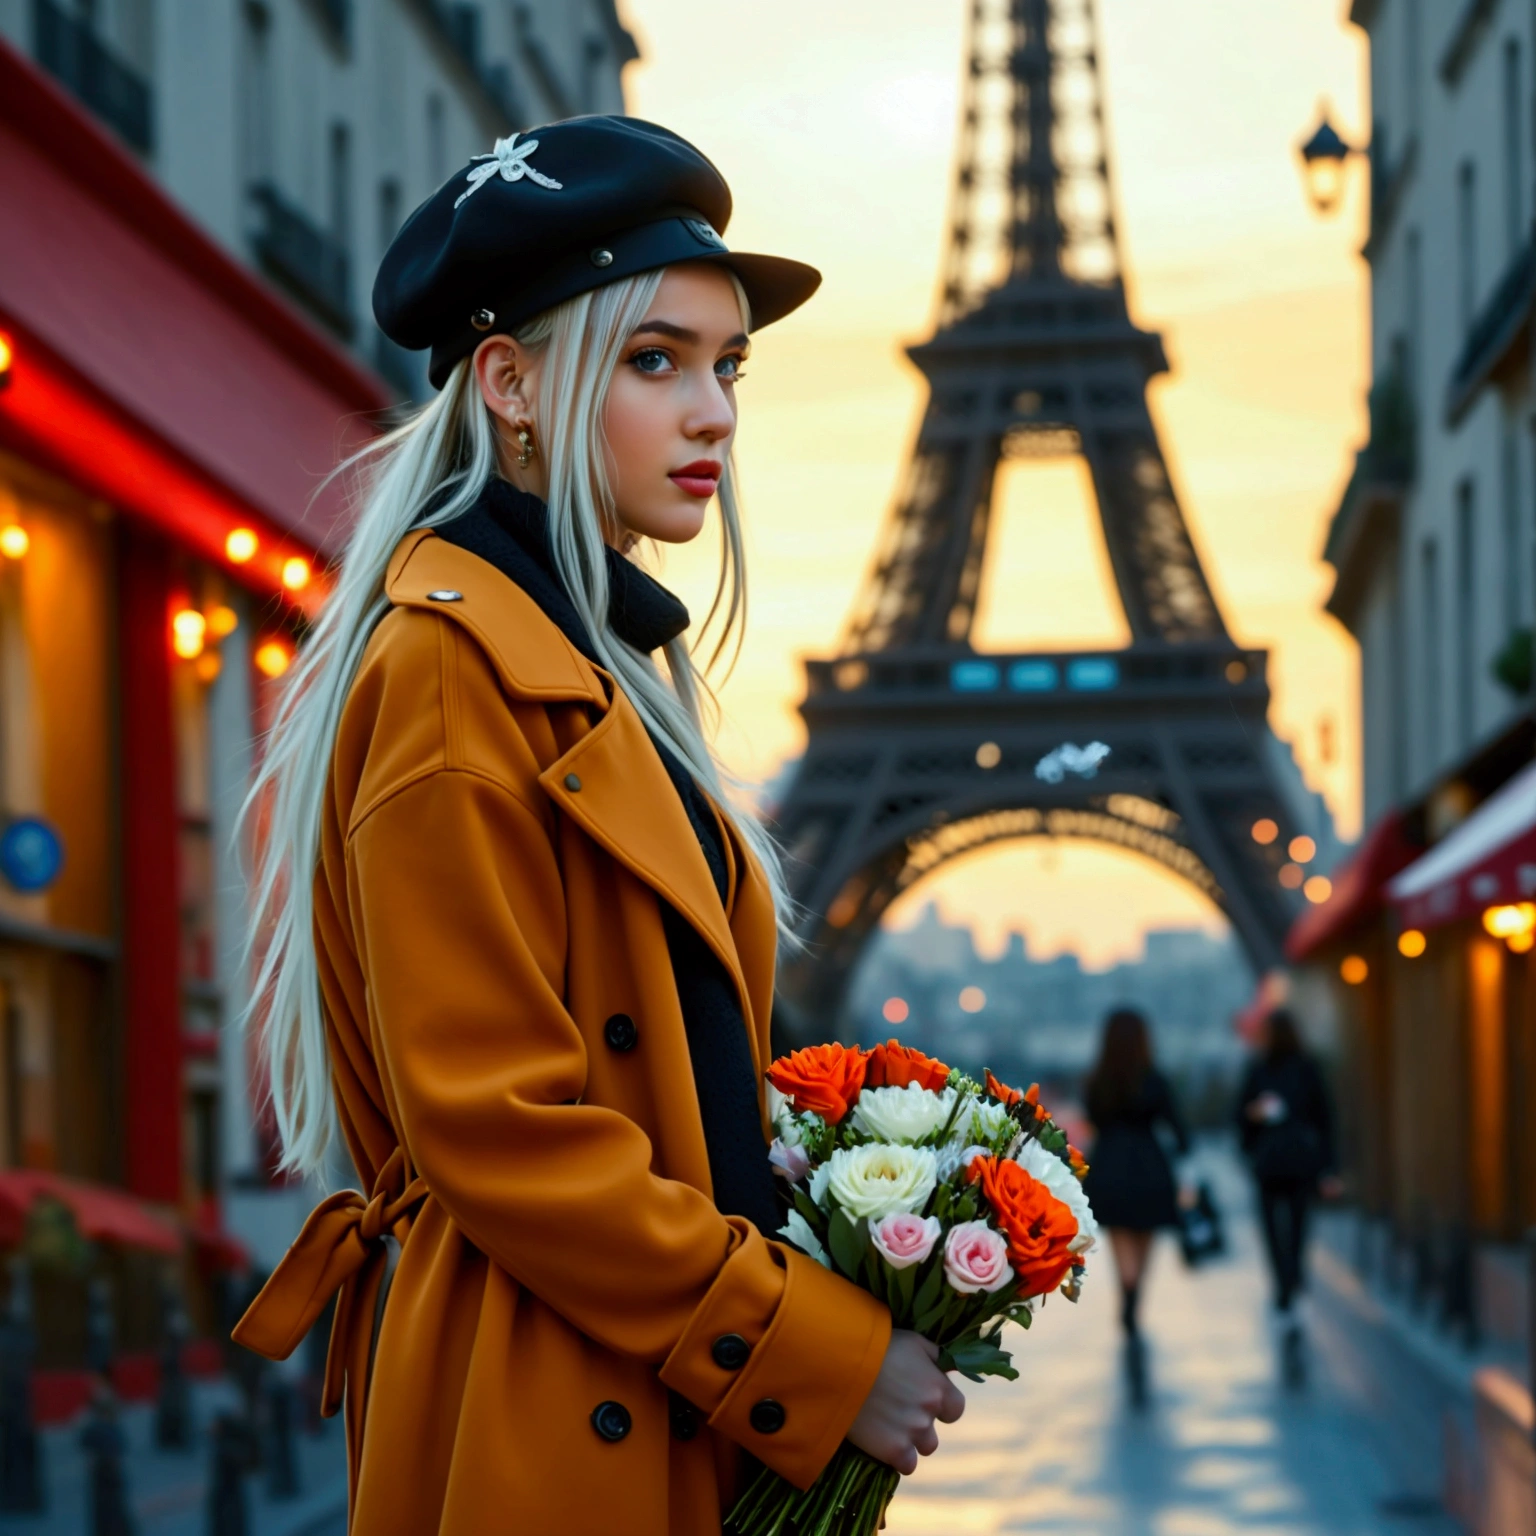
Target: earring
{"points": [[525, 448]]}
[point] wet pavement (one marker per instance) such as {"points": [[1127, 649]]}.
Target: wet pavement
{"points": [[1222, 1449]]}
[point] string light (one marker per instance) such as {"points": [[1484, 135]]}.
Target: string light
{"points": [[1354, 970], [241, 545], [1291, 876], [1302, 849], [14, 541], [1411, 943], [222, 621], [273, 658], [7, 357], [972, 999], [1318, 889], [895, 1010], [1506, 922], [1265, 832], [295, 574], [188, 627]]}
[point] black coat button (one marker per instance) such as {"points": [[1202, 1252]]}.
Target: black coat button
{"points": [[684, 1417], [767, 1417], [621, 1033], [731, 1351], [612, 1420]]}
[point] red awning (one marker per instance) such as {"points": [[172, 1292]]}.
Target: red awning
{"points": [[1358, 889], [1488, 860], [131, 318], [103, 1214]]}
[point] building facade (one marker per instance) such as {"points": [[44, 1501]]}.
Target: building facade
{"points": [[197, 193], [300, 133], [1424, 954]]}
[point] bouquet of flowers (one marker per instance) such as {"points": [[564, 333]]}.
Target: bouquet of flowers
{"points": [[958, 1204]]}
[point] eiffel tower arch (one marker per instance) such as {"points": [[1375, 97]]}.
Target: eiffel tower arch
{"points": [[920, 748]]}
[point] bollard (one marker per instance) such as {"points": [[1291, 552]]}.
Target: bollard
{"points": [[228, 1508], [104, 1444], [173, 1405], [100, 1332], [281, 1458], [21, 1472]]}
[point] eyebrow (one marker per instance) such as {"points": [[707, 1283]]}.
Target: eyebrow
{"points": [[682, 333]]}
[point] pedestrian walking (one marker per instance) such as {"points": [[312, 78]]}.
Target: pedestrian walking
{"points": [[519, 946], [1285, 1125], [1131, 1183]]}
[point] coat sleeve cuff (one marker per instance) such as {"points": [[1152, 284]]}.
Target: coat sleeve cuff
{"points": [[808, 1362]]}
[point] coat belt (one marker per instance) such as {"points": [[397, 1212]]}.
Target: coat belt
{"points": [[339, 1252]]}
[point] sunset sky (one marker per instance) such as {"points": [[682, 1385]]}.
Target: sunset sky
{"points": [[834, 123]]}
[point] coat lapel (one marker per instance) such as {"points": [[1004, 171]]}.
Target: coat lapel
{"points": [[624, 800]]}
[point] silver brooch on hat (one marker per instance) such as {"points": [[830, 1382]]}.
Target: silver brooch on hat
{"points": [[509, 160]]}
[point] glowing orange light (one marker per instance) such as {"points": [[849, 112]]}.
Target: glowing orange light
{"points": [[1302, 849], [972, 999], [222, 621], [1265, 832], [1411, 943], [187, 630], [7, 357], [296, 574], [14, 541], [1505, 922], [208, 667], [1237, 671], [1318, 889], [241, 545], [895, 1010], [988, 755], [1291, 876], [273, 658], [1354, 970], [1520, 943]]}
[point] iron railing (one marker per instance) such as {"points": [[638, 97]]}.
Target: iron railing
{"points": [[71, 52], [306, 260]]}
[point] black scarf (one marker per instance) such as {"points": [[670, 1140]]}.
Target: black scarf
{"points": [[509, 529]]}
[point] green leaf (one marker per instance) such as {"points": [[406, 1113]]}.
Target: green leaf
{"points": [[847, 1240], [815, 1217], [974, 1359]]}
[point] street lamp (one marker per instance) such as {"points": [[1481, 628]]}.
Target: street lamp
{"points": [[1322, 160]]}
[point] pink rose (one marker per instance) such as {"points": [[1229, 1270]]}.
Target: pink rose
{"points": [[976, 1258], [903, 1240], [793, 1163]]}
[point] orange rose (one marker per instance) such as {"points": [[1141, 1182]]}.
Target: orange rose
{"points": [[1001, 1091], [1039, 1228], [1077, 1161], [894, 1066], [822, 1079]]}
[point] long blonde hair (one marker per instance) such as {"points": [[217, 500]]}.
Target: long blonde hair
{"points": [[425, 472]]}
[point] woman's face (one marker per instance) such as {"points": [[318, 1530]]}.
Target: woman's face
{"points": [[671, 410]]}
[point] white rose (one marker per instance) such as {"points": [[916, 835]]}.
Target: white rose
{"points": [[819, 1179], [798, 1230], [1065, 1185], [992, 1124], [781, 1112], [878, 1179], [953, 1157], [903, 1114]]}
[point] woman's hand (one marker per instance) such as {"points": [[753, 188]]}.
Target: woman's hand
{"points": [[895, 1425]]}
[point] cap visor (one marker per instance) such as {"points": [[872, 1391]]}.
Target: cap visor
{"points": [[775, 286]]}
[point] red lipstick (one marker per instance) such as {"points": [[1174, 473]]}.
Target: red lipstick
{"points": [[699, 478]]}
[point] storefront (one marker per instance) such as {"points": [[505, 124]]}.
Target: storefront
{"points": [[165, 425]]}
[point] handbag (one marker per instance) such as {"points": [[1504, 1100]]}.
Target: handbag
{"points": [[1202, 1234]]}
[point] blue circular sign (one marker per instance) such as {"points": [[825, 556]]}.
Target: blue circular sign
{"points": [[31, 854]]}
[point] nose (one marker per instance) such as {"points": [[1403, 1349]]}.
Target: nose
{"points": [[712, 417]]}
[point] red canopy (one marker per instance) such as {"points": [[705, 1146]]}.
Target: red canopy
{"points": [[1358, 889], [151, 366], [102, 1214]]}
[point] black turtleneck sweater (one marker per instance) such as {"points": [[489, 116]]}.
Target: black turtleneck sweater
{"points": [[509, 529]]}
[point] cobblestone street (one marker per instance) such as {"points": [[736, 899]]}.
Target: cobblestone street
{"points": [[1222, 1451]]}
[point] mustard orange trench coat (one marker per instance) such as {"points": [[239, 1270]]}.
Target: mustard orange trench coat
{"points": [[497, 830]]}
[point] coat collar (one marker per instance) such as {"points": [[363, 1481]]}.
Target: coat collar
{"points": [[625, 802]]}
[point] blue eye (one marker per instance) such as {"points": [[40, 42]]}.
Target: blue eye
{"points": [[729, 368], [650, 360]]}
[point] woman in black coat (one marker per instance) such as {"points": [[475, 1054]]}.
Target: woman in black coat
{"points": [[1286, 1129], [1130, 1181]]}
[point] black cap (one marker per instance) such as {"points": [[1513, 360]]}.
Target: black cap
{"points": [[556, 212]]}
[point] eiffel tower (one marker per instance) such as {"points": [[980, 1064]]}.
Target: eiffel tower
{"points": [[920, 748]]}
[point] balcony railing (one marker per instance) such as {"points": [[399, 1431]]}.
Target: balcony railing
{"points": [[458, 25], [1494, 331], [72, 53], [305, 259]]}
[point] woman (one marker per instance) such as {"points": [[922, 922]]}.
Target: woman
{"points": [[520, 947], [1286, 1128], [1130, 1181]]}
